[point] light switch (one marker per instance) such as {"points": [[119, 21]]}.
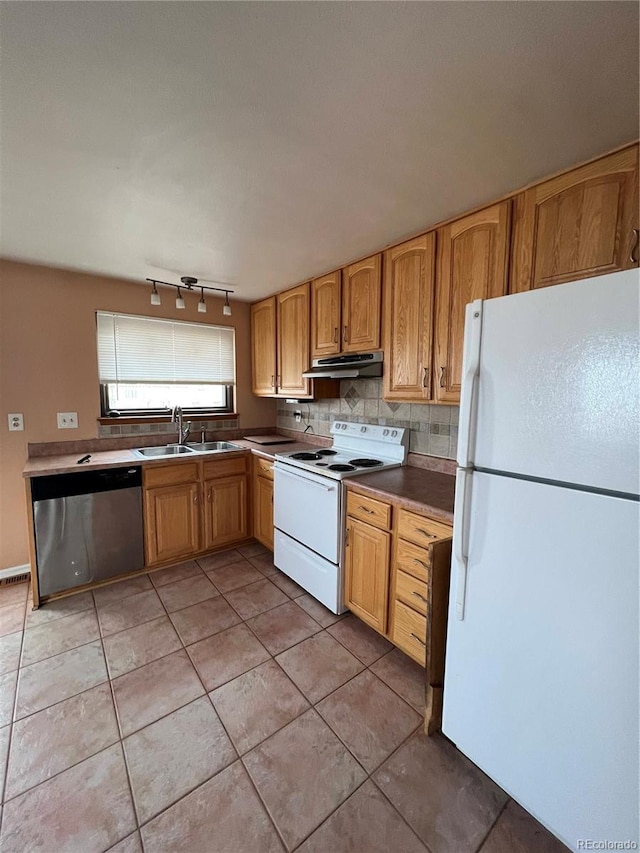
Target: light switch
{"points": [[67, 420], [16, 421]]}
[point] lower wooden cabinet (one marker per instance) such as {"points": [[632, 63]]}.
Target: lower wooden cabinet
{"points": [[397, 566], [172, 522], [367, 573], [194, 506], [263, 511], [225, 511]]}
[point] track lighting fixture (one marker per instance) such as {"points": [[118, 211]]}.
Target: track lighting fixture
{"points": [[189, 283]]}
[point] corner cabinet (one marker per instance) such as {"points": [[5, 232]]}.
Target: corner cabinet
{"points": [[581, 224], [408, 319], [263, 347], [473, 263], [293, 309], [361, 302]]}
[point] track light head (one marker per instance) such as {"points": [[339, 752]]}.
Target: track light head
{"points": [[202, 305], [179, 300], [155, 296], [226, 308]]}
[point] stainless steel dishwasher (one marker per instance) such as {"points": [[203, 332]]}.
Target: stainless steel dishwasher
{"points": [[88, 526]]}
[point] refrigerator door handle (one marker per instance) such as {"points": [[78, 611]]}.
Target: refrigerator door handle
{"points": [[461, 537], [470, 372]]}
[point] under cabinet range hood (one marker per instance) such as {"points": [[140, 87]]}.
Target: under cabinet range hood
{"points": [[350, 366]]}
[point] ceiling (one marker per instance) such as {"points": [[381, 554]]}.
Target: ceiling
{"points": [[260, 144]]}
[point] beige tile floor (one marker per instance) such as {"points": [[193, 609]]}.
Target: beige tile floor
{"points": [[214, 707]]}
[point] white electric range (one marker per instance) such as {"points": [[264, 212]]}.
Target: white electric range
{"points": [[309, 503]]}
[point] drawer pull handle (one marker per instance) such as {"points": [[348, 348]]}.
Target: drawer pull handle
{"points": [[443, 370], [345, 336], [421, 563], [335, 335], [416, 637], [424, 376], [425, 533], [418, 595], [369, 511]]}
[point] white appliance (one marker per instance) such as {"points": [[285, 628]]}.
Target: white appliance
{"points": [[541, 679], [309, 503]]}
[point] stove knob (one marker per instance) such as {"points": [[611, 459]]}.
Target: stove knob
{"points": [[394, 433], [363, 429], [385, 432]]}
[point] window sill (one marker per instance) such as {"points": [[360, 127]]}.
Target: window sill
{"points": [[166, 419]]}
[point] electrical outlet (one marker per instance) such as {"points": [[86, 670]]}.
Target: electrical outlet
{"points": [[16, 421], [298, 415], [67, 420]]}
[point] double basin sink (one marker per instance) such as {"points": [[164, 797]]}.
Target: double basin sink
{"points": [[183, 449]]}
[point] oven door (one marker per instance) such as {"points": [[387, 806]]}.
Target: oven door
{"points": [[307, 508]]}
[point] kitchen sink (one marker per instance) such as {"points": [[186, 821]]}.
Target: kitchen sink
{"points": [[213, 446], [166, 450]]}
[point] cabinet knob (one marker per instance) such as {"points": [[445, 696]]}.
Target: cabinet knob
{"points": [[633, 256]]}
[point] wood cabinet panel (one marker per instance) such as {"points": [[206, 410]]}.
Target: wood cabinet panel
{"points": [[225, 510], [367, 573], [580, 224], [361, 305], [419, 529], [172, 522], [170, 475], [293, 341], [370, 510], [410, 632], [412, 592], [408, 319], [473, 259], [264, 467], [263, 511], [225, 467], [263, 347], [325, 314]]}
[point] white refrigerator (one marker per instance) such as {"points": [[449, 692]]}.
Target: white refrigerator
{"points": [[541, 678]]}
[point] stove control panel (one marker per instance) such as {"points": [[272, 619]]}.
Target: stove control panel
{"points": [[372, 432]]}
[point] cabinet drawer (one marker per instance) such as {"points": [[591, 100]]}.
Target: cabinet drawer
{"points": [[416, 528], [369, 510], [412, 559], [410, 632], [264, 467], [412, 592], [170, 475], [225, 467]]}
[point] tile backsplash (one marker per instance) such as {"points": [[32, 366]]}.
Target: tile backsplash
{"points": [[116, 429], [433, 429]]}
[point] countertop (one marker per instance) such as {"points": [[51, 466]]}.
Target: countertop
{"points": [[417, 489], [41, 466]]}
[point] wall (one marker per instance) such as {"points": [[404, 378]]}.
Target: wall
{"points": [[48, 364], [433, 429]]}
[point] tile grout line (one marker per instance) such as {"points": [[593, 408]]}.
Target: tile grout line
{"points": [[493, 825]]}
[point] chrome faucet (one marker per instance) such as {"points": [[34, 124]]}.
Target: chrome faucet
{"points": [[183, 432]]}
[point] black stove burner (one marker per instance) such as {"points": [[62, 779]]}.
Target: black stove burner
{"points": [[365, 463], [342, 468], [306, 456], [327, 452], [321, 464]]}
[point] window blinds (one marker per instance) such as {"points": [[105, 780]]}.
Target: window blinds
{"points": [[143, 349]]}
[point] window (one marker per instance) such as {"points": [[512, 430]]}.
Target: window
{"points": [[147, 366]]}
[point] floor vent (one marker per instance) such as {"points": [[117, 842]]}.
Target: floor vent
{"points": [[14, 579]]}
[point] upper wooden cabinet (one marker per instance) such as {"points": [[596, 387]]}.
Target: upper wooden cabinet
{"points": [[325, 314], [293, 341], [263, 347], [580, 224], [473, 258], [361, 300], [408, 319]]}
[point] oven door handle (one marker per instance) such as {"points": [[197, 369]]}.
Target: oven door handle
{"points": [[304, 479]]}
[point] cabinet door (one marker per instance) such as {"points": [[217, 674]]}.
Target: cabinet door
{"points": [[578, 225], [172, 522], [225, 513], [361, 304], [325, 315], [473, 256], [367, 573], [408, 319], [263, 511], [293, 341], [263, 347]]}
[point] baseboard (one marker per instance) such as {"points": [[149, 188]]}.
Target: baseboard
{"points": [[15, 570]]}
